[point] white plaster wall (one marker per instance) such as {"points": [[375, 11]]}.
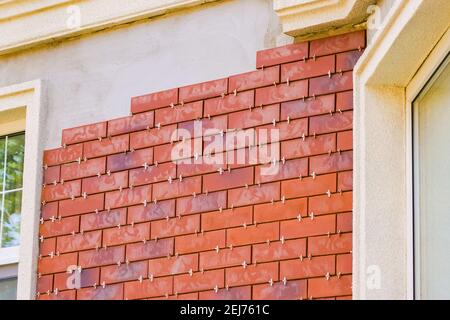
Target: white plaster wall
{"points": [[93, 78]]}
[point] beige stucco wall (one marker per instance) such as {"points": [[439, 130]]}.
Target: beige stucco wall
{"points": [[92, 78]]}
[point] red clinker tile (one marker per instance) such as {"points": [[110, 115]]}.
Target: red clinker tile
{"points": [[175, 226], [163, 153], [173, 265], [154, 100], [228, 180], [148, 288], [293, 290], [179, 113], [45, 283], [225, 258], [254, 194], [229, 103], [124, 272], [106, 146], [105, 183], [87, 277], [192, 169], [316, 267], [152, 174], [345, 181], [238, 293], [126, 234], [327, 123], [199, 281], [78, 242], [285, 131], [227, 218], [290, 169], [308, 227], [132, 123], [309, 107], [279, 55], [203, 90], [65, 295], [127, 197], [110, 292], [200, 242], [346, 61], [103, 219], [345, 140], [81, 205], [308, 186], [255, 117], [321, 287], [208, 127], [331, 163], [47, 246], [63, 155], [130, 160], [56, 264], [202, 203], [52, 174], [335, 203], [254, 79], [344, 222], [152, 137], [344, 100], [166, 190], [337, 243], [253, 234], [149, 249], [344, 298], [84, 133], [307, 69], [183, 151], [339, 43], [59, 227], [344, 263], [281, 93], [49, 210], [252, 274], [280, 211], [337, 82], [275, 251], [102, 257], [153, 211], [61, 191], [85, 169], [186, 296]]}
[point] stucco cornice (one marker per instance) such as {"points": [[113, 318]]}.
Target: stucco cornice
{"points": [[301, 17], [27, 23]]}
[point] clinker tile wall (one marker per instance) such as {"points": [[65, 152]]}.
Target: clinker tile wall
{"points": [[212, 235]]}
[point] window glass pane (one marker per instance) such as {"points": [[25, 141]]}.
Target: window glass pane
{"points": [[8, 289], [14, 161], [2, 161], [12, 208]]}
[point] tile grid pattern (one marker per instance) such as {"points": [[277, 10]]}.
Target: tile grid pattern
{"points": [[210, 231]]}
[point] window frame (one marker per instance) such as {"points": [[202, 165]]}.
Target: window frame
{"points": [[26, 100], [416, 215]]}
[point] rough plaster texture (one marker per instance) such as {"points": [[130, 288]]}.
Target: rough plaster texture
{"points": [[92, 78]]}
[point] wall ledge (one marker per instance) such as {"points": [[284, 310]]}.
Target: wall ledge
{"points": [[299, 18], [26, 24]]}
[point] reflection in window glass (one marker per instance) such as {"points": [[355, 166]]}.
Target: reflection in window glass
{"points": [[8, 289], [11, 175]]}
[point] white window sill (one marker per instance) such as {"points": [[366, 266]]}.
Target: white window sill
{"points": [[9, 255]]}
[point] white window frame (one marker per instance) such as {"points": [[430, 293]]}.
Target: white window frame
{"points": [[27, 95], [387, 78]]}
